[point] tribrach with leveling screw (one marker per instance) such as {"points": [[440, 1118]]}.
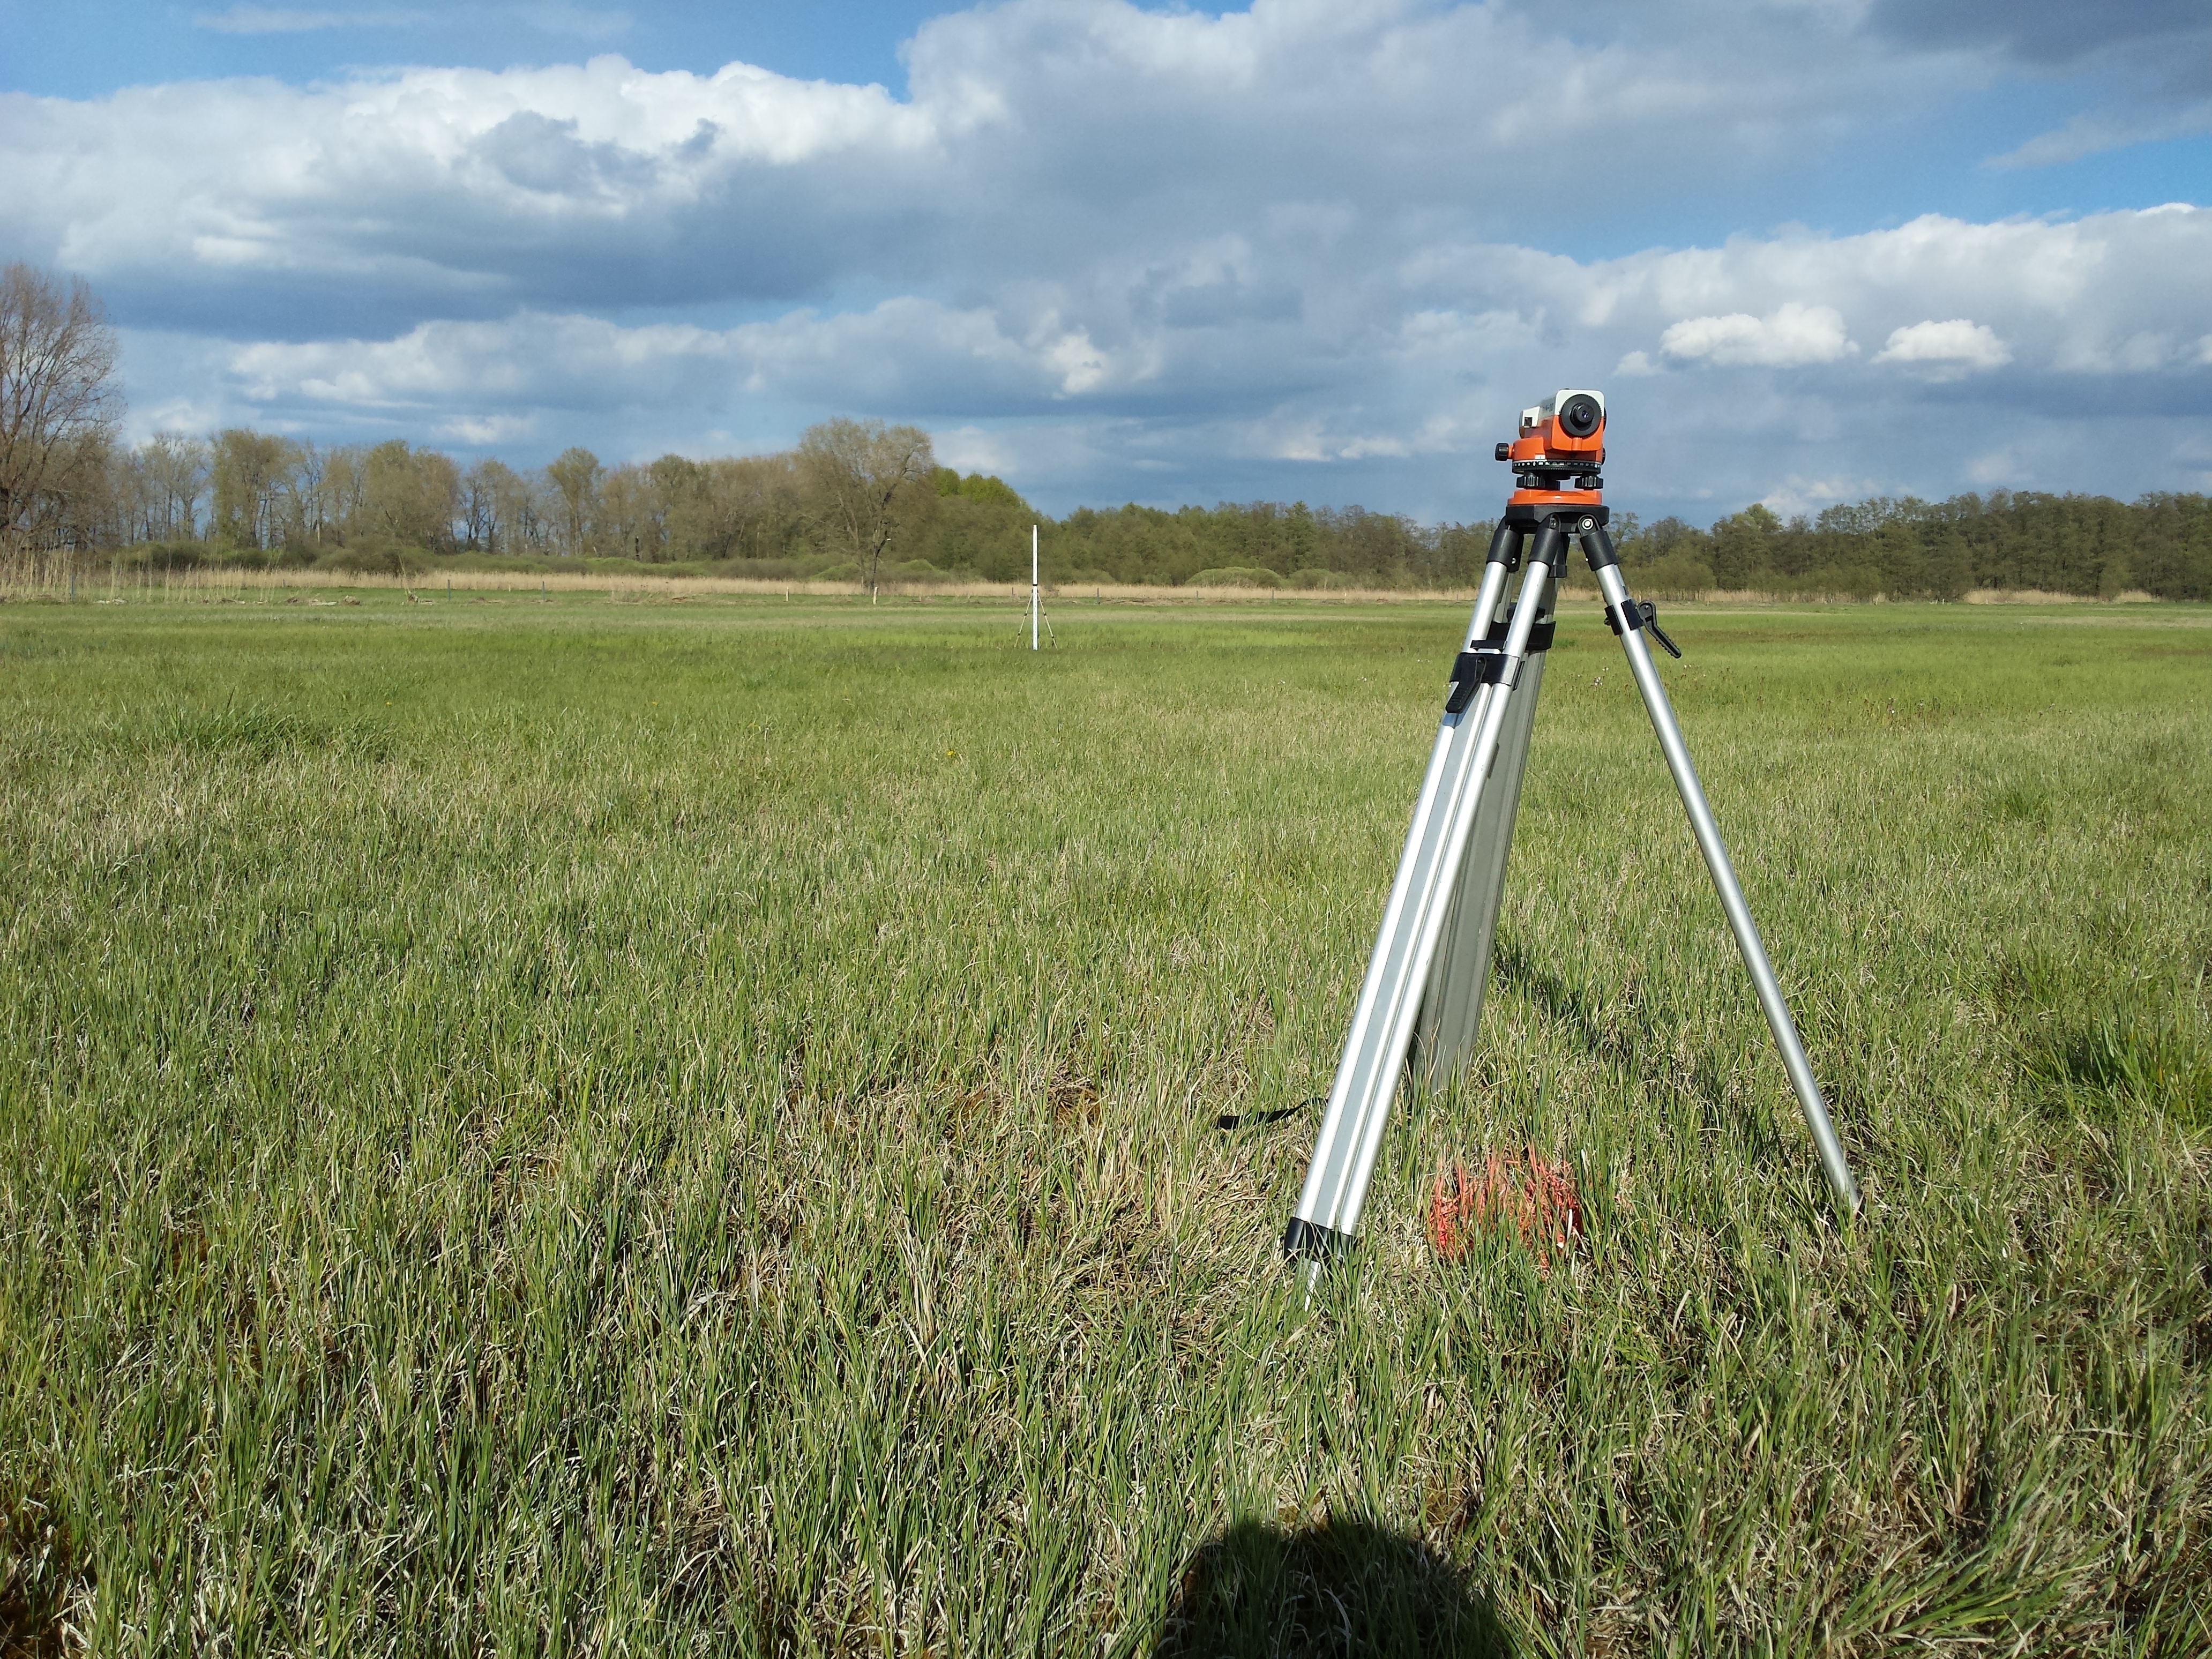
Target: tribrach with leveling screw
{"points": [[1422, 997]]}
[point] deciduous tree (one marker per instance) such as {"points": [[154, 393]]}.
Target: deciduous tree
{"points": [[867, 482], [59, 401], [576, 474], [252, 471], [411, 495], [172, 479]]}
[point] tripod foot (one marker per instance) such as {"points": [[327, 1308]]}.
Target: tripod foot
{"points": [[1314, 1241]]}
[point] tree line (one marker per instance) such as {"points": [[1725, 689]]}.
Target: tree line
{"points": [[865, 501], [2089, 545], [852, 490]]}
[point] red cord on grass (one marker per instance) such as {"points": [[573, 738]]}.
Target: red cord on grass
{"points": [[1534, 1195]]}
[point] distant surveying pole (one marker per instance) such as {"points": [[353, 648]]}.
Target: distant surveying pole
{"points": [[1033, 587]]}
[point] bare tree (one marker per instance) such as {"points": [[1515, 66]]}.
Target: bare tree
{"points": [[303, 498], [575, 473], [629, 523], [250, 471], [411, 495], [345, 482], [867, 481], [489, 490], [58, 400], [751, 507], [174, 469]]}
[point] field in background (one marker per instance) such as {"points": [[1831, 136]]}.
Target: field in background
{"points": [[53, 578], [570, 1128]]}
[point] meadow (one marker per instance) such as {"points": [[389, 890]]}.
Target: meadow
{"points": [[552, 1127]]}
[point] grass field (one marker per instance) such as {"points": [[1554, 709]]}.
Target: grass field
{"points": [[565, 1128]]}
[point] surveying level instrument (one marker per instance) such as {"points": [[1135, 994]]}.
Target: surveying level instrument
{"points": [[1422, 997]]}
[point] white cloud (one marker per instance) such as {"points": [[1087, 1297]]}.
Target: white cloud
{"points": [[971, 449], [1217, 251], [1789, 337], [480, 430], [1059, 130], [1997, 467], [1796, 495], [1083, 386], [1960, 343]]}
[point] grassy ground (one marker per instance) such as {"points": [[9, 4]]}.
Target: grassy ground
{"points": [[567, 1127]]}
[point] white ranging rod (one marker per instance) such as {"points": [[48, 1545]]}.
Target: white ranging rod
{"points": [[1033, 587]]}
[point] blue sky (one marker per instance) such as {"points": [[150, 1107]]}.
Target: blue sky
{"points": [[1319, 250]]}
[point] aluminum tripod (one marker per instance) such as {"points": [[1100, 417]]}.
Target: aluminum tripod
{"points": [[1422, 997]]}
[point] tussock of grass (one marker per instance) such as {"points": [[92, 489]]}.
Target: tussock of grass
{"points": [[546, 1128]]}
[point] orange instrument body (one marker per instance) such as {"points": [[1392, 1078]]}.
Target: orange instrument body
{"points": [[1562, 439]]}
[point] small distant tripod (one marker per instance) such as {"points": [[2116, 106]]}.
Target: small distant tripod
{"points": [[1422, 994]]}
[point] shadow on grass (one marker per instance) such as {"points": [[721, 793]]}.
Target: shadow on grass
{"points": [[2115, 1061], [1617, 1033], [1345, 1588]]}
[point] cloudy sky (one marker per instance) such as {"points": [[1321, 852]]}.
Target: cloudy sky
{"points": [[1812, 250]]}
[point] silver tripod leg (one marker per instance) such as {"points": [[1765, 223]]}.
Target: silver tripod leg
{"points": [[1451, 1003], [1390, 997], [1630, 623]]}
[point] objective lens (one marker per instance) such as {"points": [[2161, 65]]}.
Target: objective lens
{"points": [[1580, 418]]}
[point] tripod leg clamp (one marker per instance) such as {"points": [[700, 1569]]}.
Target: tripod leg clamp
{"points": [[1472, 671], [1485, 663], [1639, 614]]}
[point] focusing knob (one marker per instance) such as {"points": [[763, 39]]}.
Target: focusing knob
{"points": [[1505, 451]]}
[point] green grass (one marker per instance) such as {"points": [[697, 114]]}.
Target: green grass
{"points": [[558, 1127]]}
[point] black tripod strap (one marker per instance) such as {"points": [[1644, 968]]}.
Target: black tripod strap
{"points": [[1229, 1120]]}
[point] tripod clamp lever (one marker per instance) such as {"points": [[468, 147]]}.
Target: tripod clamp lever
{"points": [[1637, 614]]}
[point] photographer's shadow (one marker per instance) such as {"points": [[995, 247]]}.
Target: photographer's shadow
{"points": [[1345, 1587]]}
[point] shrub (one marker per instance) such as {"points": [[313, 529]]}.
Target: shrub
{"points": [[1677, 573], [378, 556], [1236, 576], [175, 556]]}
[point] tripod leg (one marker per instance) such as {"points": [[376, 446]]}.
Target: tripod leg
{"points": [[1451, 1003], [1598, 547], [1390, 998]]}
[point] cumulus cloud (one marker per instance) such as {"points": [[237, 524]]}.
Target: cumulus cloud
{"points": [[1279, 251], [1057, 131], [1796, 495], [1376, 387], [1791, 338], [1958, 343]]}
